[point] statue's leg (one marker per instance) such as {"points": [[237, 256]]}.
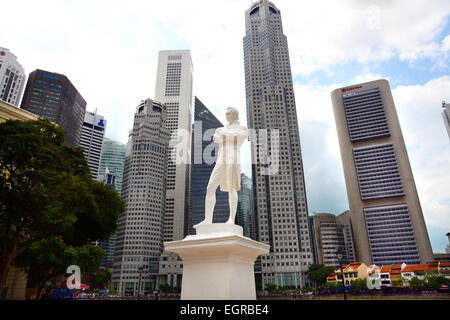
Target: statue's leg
{"points": [[232, 200], [210, 199]]}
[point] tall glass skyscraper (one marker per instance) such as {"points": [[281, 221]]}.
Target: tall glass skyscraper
{"points": [[113, 157], [244, 212], [278, 185], [205, 124], [51, 95]]}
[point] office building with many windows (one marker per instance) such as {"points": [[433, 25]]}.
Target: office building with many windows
{"points": [[12, 78], [91, 140], [279, 198], [386, 214], [51, 95], [140, 232]]}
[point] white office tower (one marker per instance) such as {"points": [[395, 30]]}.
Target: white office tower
{"points": [[446, 116], [174, 89], [279, 188], [139, 236], [91, 140], [12, 78]]}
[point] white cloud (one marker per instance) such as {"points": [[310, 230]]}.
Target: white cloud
{"points": [[419, 110]]}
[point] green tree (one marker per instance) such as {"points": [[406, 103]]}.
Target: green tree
{"points": [[359, 283], [435, 281], [45, 192], [103, 277], [319, 273], [271, 287], [49, 258], [416, 283]]}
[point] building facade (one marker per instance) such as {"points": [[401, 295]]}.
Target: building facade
{"points": [[139, 242], [12, 78], [108, 178], [174, 89], [386, 214], [204, 154], [52, 96], [244, 212], [279, 198], [345, 221], [91, 140], [329, 240], [446, 116], [112, 160]]}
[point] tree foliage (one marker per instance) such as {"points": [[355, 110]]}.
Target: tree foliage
{"points": [[49, 204], [319, 273]]}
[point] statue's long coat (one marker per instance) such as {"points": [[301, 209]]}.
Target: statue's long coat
{"points": [[230, 139]]}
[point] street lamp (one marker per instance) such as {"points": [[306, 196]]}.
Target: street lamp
{"points": [[340, 257], [139, 285]]}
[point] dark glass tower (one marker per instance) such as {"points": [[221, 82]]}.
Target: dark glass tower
{"points": [[205, 124], [52, 96]]}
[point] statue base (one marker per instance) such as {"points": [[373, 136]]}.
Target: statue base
{"points": [[218, 263]]}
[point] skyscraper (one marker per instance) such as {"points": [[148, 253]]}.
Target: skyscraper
{"points": [[140, 229], [91, 140], [386, 215], [108, 178], [446, 116], [244, 212], [52, 96], [279, 188], [174, 90], [113, 158], [328, 239], [205, 124], [12, 77], [345, 221]]}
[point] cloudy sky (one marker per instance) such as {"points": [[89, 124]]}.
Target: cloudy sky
{"points": [[109, 51]]}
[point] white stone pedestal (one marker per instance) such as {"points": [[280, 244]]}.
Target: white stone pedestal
{"points": [[218, 263]]}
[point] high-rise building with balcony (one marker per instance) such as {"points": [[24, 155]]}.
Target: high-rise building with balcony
{"points": [[140, 232], [12, 78], [386, 214], [279, 198], [91, 140], [51, 95]]}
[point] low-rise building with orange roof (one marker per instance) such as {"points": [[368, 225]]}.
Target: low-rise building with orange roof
{"points": [[385, 275], [414, 270], [353, 271], [395, 272], [444, 269]]}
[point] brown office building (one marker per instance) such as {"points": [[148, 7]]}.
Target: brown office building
{"points": [[386, 214], [52, 96]]}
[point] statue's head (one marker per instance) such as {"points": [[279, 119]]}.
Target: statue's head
{"points": [[232, 114]]}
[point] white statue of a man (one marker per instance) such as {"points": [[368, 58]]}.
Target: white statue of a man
{"points": [[227, 170]]}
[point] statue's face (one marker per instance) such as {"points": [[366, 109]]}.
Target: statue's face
{"points": [[231, 115]]}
